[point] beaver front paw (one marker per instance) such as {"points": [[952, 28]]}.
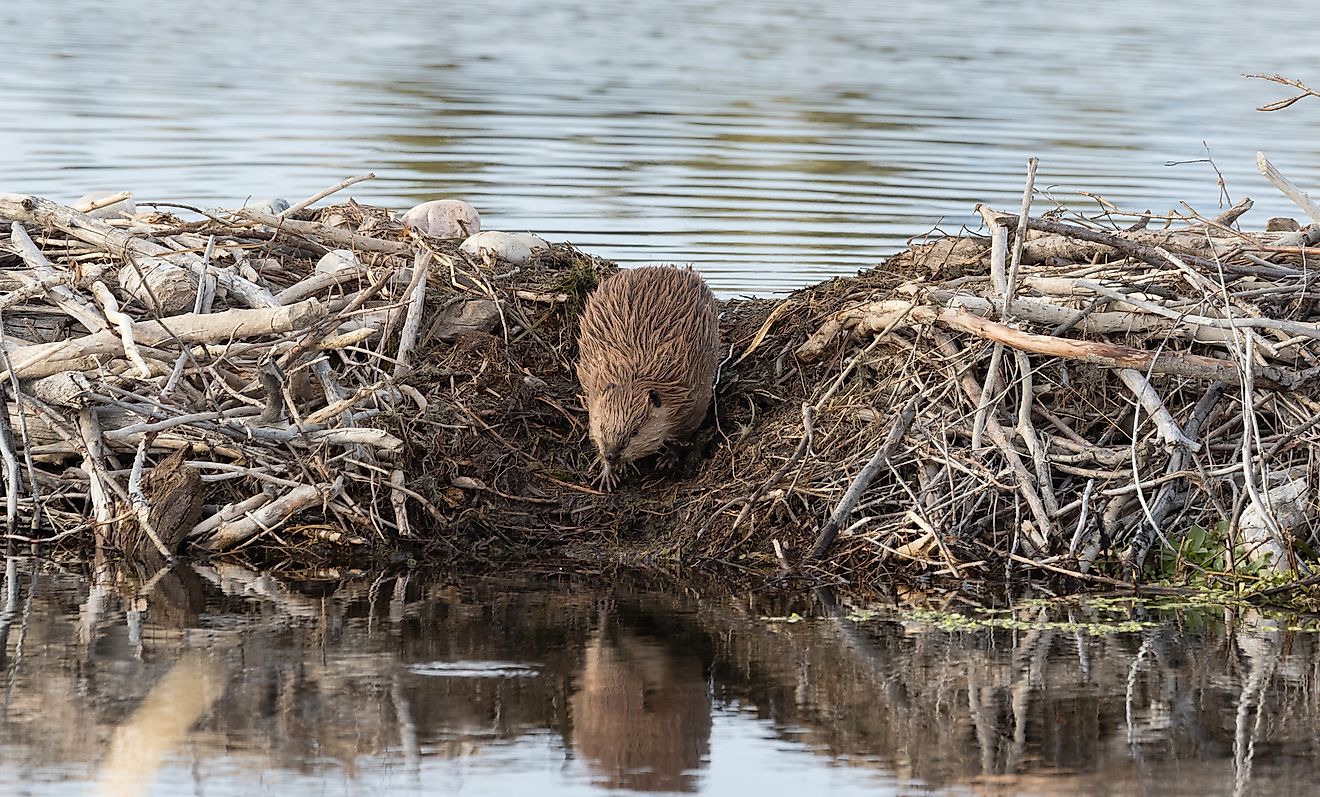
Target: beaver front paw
{"points": [[607, 480]]}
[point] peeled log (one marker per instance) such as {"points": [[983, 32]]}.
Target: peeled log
{"points": [[159, 285], [45, 359], [271, 515]]}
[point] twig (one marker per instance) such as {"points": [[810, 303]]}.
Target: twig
{"points": [[1150, 400], [863, 480], [319, 195], [998, 281], [123, 323], [1286, 186], [1279, 105], [412, 312], [1020, 237]]}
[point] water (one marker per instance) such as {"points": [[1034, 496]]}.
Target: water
{"points": [[771, 143], [215, 680]]}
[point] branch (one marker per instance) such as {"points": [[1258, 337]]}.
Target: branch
{"points": [[863, 480]]}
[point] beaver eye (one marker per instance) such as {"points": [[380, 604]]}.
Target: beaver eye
{"points": [[654, 396]]}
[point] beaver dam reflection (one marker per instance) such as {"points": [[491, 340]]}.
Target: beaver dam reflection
{"points": [[215, 676]]}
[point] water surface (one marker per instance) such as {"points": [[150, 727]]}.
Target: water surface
{"points": [[770, 142], [215, 680]]}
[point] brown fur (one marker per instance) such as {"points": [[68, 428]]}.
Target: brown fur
{"points": [[648, 350]]}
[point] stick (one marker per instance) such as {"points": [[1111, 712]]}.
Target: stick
{"points": [[999, 282], [884, 314], [1027, 431], [93, 452], [229, 512], [123, 323], [361, 394], [1020, 237], [44, 359], [73, 304], [202, 304], [399, 500], [1150, 401], [103, 202], [318, 196], [1131, 248], [1109, 355], [412, 321], [271, 515], [1286, 186], [34, 489], [868, 473], [349, 240], [11, 468]]}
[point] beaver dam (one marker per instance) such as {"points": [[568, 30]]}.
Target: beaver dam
{"points": [[1113, 396]]}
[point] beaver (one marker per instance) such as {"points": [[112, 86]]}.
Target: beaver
{"points": [[648, 349]]}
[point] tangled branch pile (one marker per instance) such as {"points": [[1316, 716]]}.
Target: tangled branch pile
{"points": [[208, 380], [1068, 398], [1064, 393]]}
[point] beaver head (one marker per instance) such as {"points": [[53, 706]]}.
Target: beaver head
{"points": [[629, 420]]}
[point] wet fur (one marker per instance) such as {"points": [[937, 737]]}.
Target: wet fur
{"points": [[648, 350]]}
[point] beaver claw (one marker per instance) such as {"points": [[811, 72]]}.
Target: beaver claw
{"points": [[607, 480], [674, 456]]}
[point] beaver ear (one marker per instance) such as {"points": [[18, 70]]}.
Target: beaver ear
{"points": [[654, 396]]}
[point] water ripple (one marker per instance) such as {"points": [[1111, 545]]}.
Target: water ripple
{"points": [[771, 143]]}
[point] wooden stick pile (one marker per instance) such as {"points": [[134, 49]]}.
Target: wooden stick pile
{"points": [[136, 336], [1070, 394]]}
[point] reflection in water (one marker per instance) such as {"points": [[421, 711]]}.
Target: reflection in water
{"points": [[641, 715], [158, 726], [770, 142], [217, 680]]}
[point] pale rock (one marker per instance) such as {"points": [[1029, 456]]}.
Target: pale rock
{"points": [[272, 205], [337, 260], [444, 218], [465, 317], [1287, 508], [512, 247]]}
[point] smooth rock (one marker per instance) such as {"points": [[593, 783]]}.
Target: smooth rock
{"points": [[1287, 510], [444, 218], [470, 315], [272, 205], [512, 247], [337, 260]]}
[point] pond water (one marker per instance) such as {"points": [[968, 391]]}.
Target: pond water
{"points": [[770, 142], [216, 680]]}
